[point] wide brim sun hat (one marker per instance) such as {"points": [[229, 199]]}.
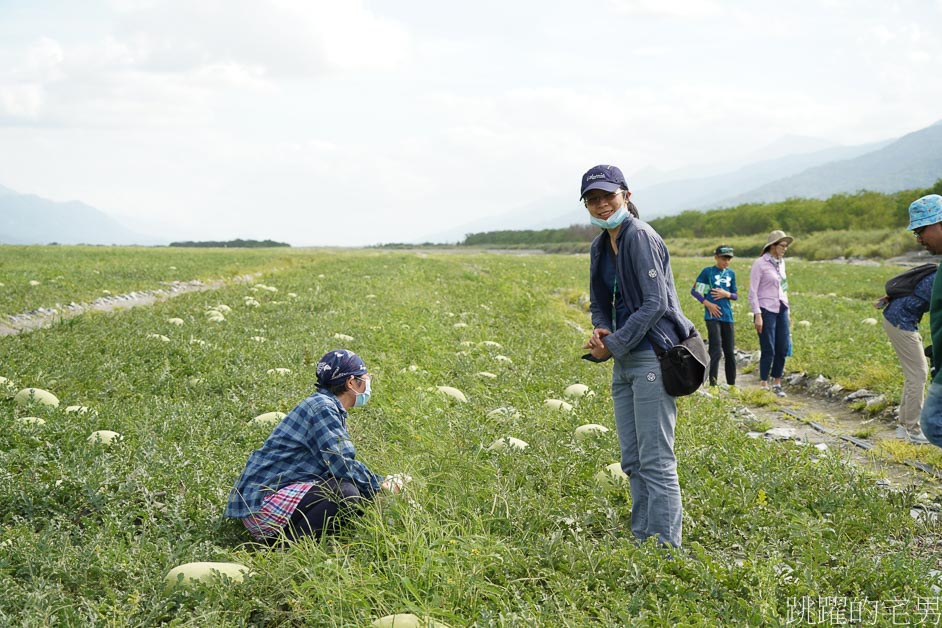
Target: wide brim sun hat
{"points": [[775, 237]]}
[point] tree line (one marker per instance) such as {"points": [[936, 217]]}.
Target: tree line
{"points": [[862, 210], [232, 244]]}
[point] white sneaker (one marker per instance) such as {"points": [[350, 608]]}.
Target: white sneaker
{"points": [[777, 389]]}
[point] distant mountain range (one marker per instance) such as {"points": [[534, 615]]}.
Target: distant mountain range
{"points": [[30, 219], [817, 170], [911, 161]]}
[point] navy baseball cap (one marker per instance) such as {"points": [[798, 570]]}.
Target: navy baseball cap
{"points": [[602, 177]]}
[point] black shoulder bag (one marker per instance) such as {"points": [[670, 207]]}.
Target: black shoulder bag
{"points": [[684, 365]]}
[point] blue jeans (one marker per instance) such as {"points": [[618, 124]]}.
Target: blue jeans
{"points": [[644, 417], [774, 341], [931, 417]]}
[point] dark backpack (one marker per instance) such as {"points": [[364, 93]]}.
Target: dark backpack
{"points": [[904, 284]]}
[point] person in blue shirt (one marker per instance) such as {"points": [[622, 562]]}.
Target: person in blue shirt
{"points": [[901, 316], [715, 288], [306, 475]]}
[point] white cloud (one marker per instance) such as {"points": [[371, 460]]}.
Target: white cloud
{"points": [[882, 34], [43, 60], [652, 51], [23, 77], [20, 102], [684, 9], [285, 37], [175, 62]]}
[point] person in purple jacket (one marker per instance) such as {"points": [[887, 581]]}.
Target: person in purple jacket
{"points": [[768, 300], [715, 288]]}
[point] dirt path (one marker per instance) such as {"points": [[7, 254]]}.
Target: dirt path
{"points": [[815, 420], [44, 317]]}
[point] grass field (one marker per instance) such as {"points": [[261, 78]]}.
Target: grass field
{"points": [[773, 532], [33, 277]]}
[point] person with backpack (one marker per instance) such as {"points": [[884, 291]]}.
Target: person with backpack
{"points": [[907, 299], [715, 288], [925, 216]]}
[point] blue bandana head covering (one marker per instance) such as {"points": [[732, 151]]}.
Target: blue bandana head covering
{"points": [[337, 366]]}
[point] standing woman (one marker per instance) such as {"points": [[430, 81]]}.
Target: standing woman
{"points": [[768, 299], [634, 304]]}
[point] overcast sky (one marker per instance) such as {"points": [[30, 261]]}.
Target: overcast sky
{"points": [[354, 122]]}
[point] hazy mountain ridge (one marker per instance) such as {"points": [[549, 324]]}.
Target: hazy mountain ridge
{"points": [[702, 193], [908, 162], [912, 161], [31, 219], [671, 197]]}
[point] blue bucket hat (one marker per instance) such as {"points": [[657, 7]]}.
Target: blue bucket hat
{"points": [[337, 366], [602, 177], [925, 211]]}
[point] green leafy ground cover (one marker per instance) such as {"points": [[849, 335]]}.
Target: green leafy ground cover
{"points": [[516, 538], [84, 273]]}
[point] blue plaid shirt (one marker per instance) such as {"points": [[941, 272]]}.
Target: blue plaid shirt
{"points": [[906, 312], [309, 445]]}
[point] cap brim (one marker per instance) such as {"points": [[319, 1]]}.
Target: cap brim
{"points": [[600, 185]]}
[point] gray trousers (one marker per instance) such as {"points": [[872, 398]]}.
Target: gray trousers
{"points": [[908, 346], [644, 417]]}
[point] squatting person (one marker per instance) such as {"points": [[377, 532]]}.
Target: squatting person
{"points": [[715, 288], [925, 216], [306, 477], [634, 304]]}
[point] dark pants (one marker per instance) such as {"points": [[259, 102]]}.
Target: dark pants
{"points": [[774, 341], [322, 507], [721, 335]]}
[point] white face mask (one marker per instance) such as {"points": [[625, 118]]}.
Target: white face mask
{"points": [[363, 397], [613, 221]]}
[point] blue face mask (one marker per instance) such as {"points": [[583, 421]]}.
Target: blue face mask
{"points": [[363, 397], [613, 221]]}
